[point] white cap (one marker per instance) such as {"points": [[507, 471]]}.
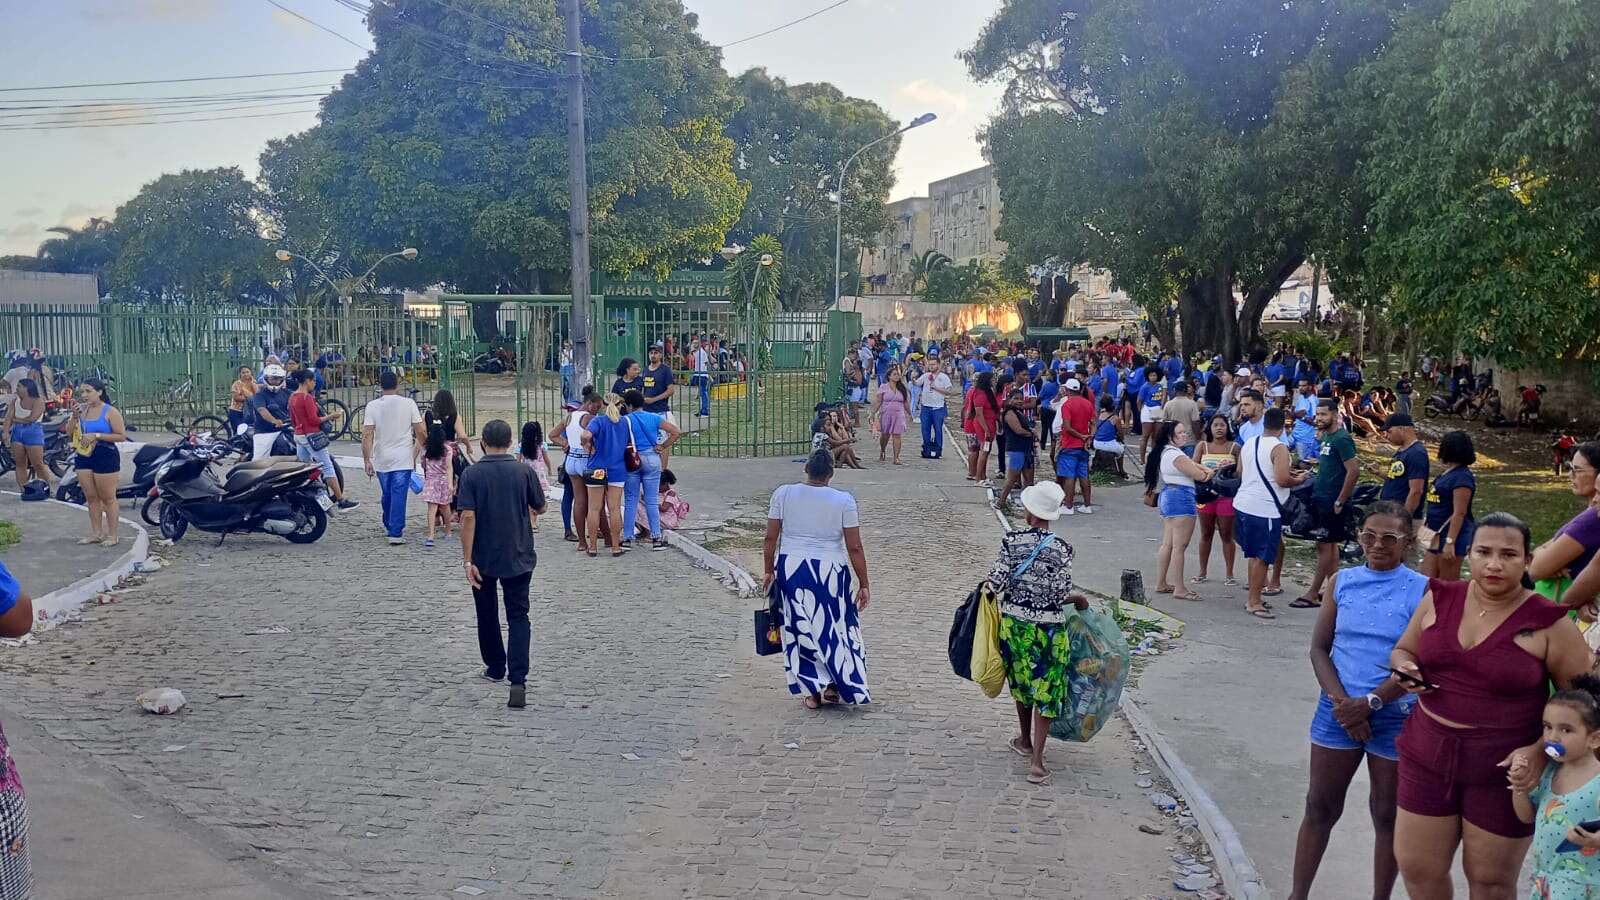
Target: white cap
{"points": [[1243, 372], [1074, 384]]}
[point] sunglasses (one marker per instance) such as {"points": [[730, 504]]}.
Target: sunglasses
{"points": [[1374, 538]]}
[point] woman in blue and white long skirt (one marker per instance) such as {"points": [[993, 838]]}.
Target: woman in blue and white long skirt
{"points": [[16, 873], [813, 543]]}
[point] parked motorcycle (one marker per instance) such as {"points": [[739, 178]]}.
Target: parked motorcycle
{"points": [[1300, 523], [146, 460], [269, 495]]}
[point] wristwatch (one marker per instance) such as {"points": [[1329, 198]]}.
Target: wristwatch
{"points": [[1374, 702]]}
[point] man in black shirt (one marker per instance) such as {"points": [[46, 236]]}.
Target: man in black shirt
{"points": [[496, 496], [658, 382], [1407, 481]]}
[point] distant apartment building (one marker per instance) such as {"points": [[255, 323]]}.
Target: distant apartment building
{"points": [[966, 215], [889, 267]]}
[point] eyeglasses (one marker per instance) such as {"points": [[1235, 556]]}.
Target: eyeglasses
{"points": [[1373, 538]]}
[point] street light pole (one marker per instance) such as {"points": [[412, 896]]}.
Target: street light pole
{"points": [[838, 221]]}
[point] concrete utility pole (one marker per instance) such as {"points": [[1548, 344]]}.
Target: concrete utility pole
{"points": [[578, 193]]}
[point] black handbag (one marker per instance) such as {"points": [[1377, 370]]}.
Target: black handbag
{"points": [[962, 633], [317, 440], [769, 625], [1220, 485]]}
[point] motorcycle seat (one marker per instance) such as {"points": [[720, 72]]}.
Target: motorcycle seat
{"points": [[246, 474]]}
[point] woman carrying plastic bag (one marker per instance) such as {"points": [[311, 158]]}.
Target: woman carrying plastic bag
{"points": [[1035, 641]]}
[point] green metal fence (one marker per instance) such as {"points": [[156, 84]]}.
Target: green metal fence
{"points": [[169, 366], [172, 366]]}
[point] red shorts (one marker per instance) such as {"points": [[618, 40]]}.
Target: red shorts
{"points": [[1448, 771]]}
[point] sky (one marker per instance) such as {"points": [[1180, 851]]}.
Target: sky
{"points": [[901, 54]]}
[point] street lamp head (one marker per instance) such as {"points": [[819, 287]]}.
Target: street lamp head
{"points": [[283, 255], [923, 119], [409, 253], [728, 253], [766, 259]]}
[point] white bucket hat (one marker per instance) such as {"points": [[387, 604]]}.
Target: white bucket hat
{"points": [[1043, 500]]}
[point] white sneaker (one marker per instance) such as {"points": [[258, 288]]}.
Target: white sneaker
{"points": [[396, 541], [1086, 510], [1066, 510]]}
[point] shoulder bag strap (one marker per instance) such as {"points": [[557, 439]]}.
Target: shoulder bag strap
{"points": [[1028, 563], [1271, 491]]}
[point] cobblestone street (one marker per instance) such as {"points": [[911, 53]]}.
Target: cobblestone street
{"points": [[365, 756]]}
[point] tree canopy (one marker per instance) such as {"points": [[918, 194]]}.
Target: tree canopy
{"points": [[1183, 147], [191, 237], [790, 140], [451, 137]]}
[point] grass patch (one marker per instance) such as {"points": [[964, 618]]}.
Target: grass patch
{"points": [[9, 534], [775, 423]]}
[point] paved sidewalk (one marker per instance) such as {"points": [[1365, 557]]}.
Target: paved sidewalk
{"points": [[48, 556], [96, 836], [365, 757]]}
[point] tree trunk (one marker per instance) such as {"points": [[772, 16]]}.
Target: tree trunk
{"points": [[1256, 298], [1205, 307], [1047, 308]]}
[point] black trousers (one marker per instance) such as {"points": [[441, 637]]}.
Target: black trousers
{"points": [[510, 658]]}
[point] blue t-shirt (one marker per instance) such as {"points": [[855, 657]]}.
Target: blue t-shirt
{"points": [[1303, 441], [1442, 502], [1249, 429], [1107, 431], [656, 380], [273, 401], [1035, 367], [981, 365], [1410, 463], [1096, 384], [1048, 391], [1113, 378], [884, 361], [1374, 609], [646, 428], [9, 589], [1274, 374], [1136, 379], [1152, 394], [1174, 370], [610, 441]]}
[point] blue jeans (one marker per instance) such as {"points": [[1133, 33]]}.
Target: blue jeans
{"points": [[705, 393], [649, 478], [567, 373], [394, 486], [933, 431]]}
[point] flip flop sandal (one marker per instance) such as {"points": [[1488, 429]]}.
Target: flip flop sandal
{"points": [[1272, 592], [1040, 780], [1012, 746], [831, 695], [1163, 590], [1192, 597], [810, 702], [1262, 613], [1304, 603], [571, 538], [1198, 579], [1232, 582]]}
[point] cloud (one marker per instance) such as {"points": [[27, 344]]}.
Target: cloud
{"points": [[926, 92], [28, 211], [168, 10], [123, 113], [22, 232], [279, 17]]}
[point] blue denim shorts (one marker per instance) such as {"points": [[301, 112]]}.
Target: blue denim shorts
{"points": [[1016, 461], [1072, 464], [1177, 500], [28, 434], [1386, 724]]}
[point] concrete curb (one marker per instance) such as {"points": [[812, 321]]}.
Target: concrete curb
{"points": [[1239, 874], [53, 608]]}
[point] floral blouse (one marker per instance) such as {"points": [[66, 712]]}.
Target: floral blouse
{"points": [[1040, 594]]}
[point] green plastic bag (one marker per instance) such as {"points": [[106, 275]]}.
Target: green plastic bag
{"points": [[1095, 677]]}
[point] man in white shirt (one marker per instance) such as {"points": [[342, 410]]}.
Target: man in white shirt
{"points": [[1265, 477], [391, 437], [936, 389], [702, 377]]}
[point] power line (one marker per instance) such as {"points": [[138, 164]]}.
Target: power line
{"points": [[66, 87], [159, 98], [116, 114], [320, 27], [743, 40], [157, 103], [292, 112]]}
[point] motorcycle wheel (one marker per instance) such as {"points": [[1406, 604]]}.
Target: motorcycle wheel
{"points": [[316, 522], [57, 463], [173, 525], [213, 424], [338, 472], [8, 462], [70, 493], [1431, 410], [151, 511]]}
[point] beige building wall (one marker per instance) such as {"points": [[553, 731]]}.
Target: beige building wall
{"points": [[18, 287], [889, 267], [965, 216]]}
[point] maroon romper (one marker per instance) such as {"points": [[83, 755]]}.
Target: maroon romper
{"points": [[1499, 689]]}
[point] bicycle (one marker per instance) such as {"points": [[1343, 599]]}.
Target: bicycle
{"points": [[182, 394], [341, 416]]}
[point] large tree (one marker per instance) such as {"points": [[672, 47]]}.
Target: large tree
{"points": [[1181, 146], [1480, 184], [791, 140], [451, 137], [192, 237]]}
